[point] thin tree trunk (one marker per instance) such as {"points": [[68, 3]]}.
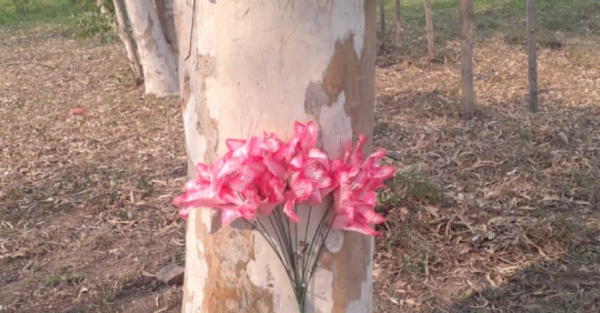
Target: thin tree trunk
{"points": [[165, 16], [532, 57], [466, 36], [382, 22], [128, 41], [238, 84], [398, 25], [157, 58], [429, 23]]}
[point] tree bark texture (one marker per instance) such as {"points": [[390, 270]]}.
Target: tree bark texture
{"points": [[259, 66], [466, 37], [165, 16], [130, 46], [157, 58]]}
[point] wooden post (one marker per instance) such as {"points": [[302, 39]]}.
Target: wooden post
{"points": [[429, 22], [532, 57], [259, 66], [398, 24], [466, 36]]}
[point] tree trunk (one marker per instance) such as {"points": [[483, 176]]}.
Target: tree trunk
{"points": [[466, 36], [127, 40], [398, 25], [157, 58], [243, 77], [382, 22], [532, 57], [429, 23], [165, 16]]}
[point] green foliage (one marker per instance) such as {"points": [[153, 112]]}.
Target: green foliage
{"points": [[52, 280], [93, 24], [410, 184], [420, 187], [556, 20], [77, 18], [13, 12]]}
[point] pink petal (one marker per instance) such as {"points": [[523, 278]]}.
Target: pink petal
{"points": [[315, 197], [302, 188], [271, 143], [343, 223], [320, 157], [234, 144], [357, 155], [202, 171], [288, 209], [204, 196], [276, 168], [296, 162], [276, 189], [196, 184], [228, 215], [185, 211], [370, 217]]}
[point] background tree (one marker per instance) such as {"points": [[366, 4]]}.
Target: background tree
{"points": [[164, 9], [235, 84], [466, 37], [398, 23], [429, 24], [382, 22], [157, 57], [532, 57], [130, 46]]}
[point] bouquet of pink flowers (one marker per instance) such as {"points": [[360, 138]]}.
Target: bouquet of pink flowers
{"points": [[264, 176]]}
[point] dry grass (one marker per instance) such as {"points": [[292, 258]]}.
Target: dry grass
{"points": [[496, 214]]}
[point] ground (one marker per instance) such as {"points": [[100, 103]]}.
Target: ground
{"points": [[496, 214]]}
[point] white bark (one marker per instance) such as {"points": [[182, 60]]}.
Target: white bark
{"points": [[157, 58], [128, 41], [258, 66], [165, 16]]}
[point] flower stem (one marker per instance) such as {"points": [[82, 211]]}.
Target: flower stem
{"points": [[299, 261]]}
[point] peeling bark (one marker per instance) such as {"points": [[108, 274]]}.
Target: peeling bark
{"points": [[266, 67]]}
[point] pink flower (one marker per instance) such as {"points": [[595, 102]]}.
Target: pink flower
{"points": [[242, 183], [257, 175], [355, 198]]}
